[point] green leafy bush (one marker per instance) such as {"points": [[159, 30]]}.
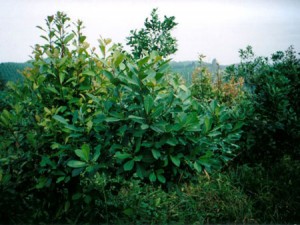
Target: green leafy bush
{"points": [[80, 114], [268, 167], [273, 127]]}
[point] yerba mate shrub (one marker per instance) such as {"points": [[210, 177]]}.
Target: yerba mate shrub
{"points": [[81, 114]]}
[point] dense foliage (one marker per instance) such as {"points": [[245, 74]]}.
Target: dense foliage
{"points": [[80, 115], [110, 136], [268, 167], [274, 86], [156, 36]]}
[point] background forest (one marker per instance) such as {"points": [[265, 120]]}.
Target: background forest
{"points": [[103, 135]]}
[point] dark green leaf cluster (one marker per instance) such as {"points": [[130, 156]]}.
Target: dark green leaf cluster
{"points": [[274, 86], [156, 36]]}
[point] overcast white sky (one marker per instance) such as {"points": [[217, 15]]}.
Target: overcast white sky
{"points": [[215, 28]]}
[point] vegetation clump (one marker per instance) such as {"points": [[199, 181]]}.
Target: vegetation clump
{"points": [[109, 136]]}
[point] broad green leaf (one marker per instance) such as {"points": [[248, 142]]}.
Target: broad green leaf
{"points": [[132, 68], [41, 79], [206, 160], [112, 119], [89, 125], [120, 155], [67, 206], [60, 119], [159, 127], [102, 48], [41, 182], [174, 127], [183, 87], [148, 103], [128, 212], [175, 160], [94, 98], [238, 125], [87, 199], [213, 105], [73, 128], [52, 89], [156, 154], [84, 87], [163, 68], [97, 153], [233, 137], [76, 172], [118, 58], [157, 111], [172, 141], [7, 115], [137, 119], [134, 80], [143, 61], [76, 164], [122, 66], [152, 177], [158, 76], [144, 126], [86, 151], [129, 165], [161, 178], [121, 131], [194, 128], [197, 167], [76, 196], [214, 133], [60, 179], [82, 39], [46, 161], [138, 145], [69, 38], [138, 158], [62, 62], [207, 123], [140, 171], [89, 73]]}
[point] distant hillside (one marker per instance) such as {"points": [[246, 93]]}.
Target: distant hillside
{"points": [[186, 68], [11, 71]]}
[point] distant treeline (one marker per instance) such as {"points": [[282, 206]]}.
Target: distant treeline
{"points": [[186, 68], [12, 71]]}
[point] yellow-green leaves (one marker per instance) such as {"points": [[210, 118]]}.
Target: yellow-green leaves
{"points": [[89, 73], [118, 57]]}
